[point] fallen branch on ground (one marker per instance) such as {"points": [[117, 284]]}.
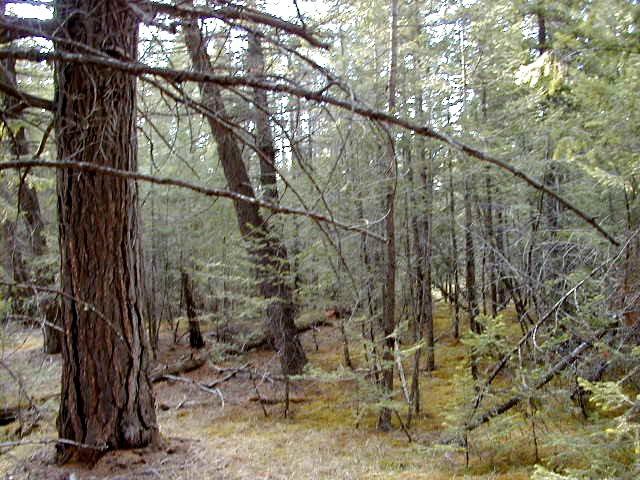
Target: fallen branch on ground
{"points": [[229, 376], [532, 331], [46, 441], [516, 399], [264, 339], [201, 386], [275, 401], [184, 366], [185, 404]]}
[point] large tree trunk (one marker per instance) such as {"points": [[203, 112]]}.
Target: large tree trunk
{"points": [[491, 242], [267, 251], [106, 399]]}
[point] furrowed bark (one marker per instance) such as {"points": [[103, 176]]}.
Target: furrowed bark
{"points": [[106, 401]]}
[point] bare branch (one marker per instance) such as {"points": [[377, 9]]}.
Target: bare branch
{"points": [[14, 28], [209, 192], [26, 99], [137, 68], [534, 329], [231, 11]]}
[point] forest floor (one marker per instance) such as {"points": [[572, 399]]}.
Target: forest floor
{"points": [[328, 432]]}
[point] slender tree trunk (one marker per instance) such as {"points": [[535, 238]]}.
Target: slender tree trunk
{"points": [[51, 311], [427, 181], [470, 278], [27, 199], [263, 136], [15, 248], [267, 251], [368, 334], [106, 398], [29, 206], [154, 316], [630, 298], [13, 262], [542, 31], [500, 233], [389, 291], [491, 243], [455, 296], [195, 336], [416, 270]]}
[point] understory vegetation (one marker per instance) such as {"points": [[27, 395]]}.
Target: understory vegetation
{"points": [[313, 239], [329, 430]]}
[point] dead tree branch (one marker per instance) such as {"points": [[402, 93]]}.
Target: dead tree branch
{"points": [[210, 192], [226, 81]]}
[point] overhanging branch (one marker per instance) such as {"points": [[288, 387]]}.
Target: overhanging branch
{"points": [[209, 192], [25, 99], [230, 11], [14, 28], [226, 81]]}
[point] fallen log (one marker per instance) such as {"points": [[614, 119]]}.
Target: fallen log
{"points": [[264, 339], [229, 376], [275, 401], [186, 404], [11, 413], [183, 366], [199, 385]]}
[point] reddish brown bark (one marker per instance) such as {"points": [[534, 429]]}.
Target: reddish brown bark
{"points": [[106, 399]]}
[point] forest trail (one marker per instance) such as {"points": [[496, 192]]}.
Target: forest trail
{"points": [[317, 440]]}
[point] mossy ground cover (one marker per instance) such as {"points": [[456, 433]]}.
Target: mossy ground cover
{"points": [[329, 432]]}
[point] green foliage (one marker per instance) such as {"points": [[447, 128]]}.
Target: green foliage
{"points": [[546, 72], [611, 446], [493, 342]]}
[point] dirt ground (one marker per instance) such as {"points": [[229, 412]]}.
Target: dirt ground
{"points": [[239, 430]]}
